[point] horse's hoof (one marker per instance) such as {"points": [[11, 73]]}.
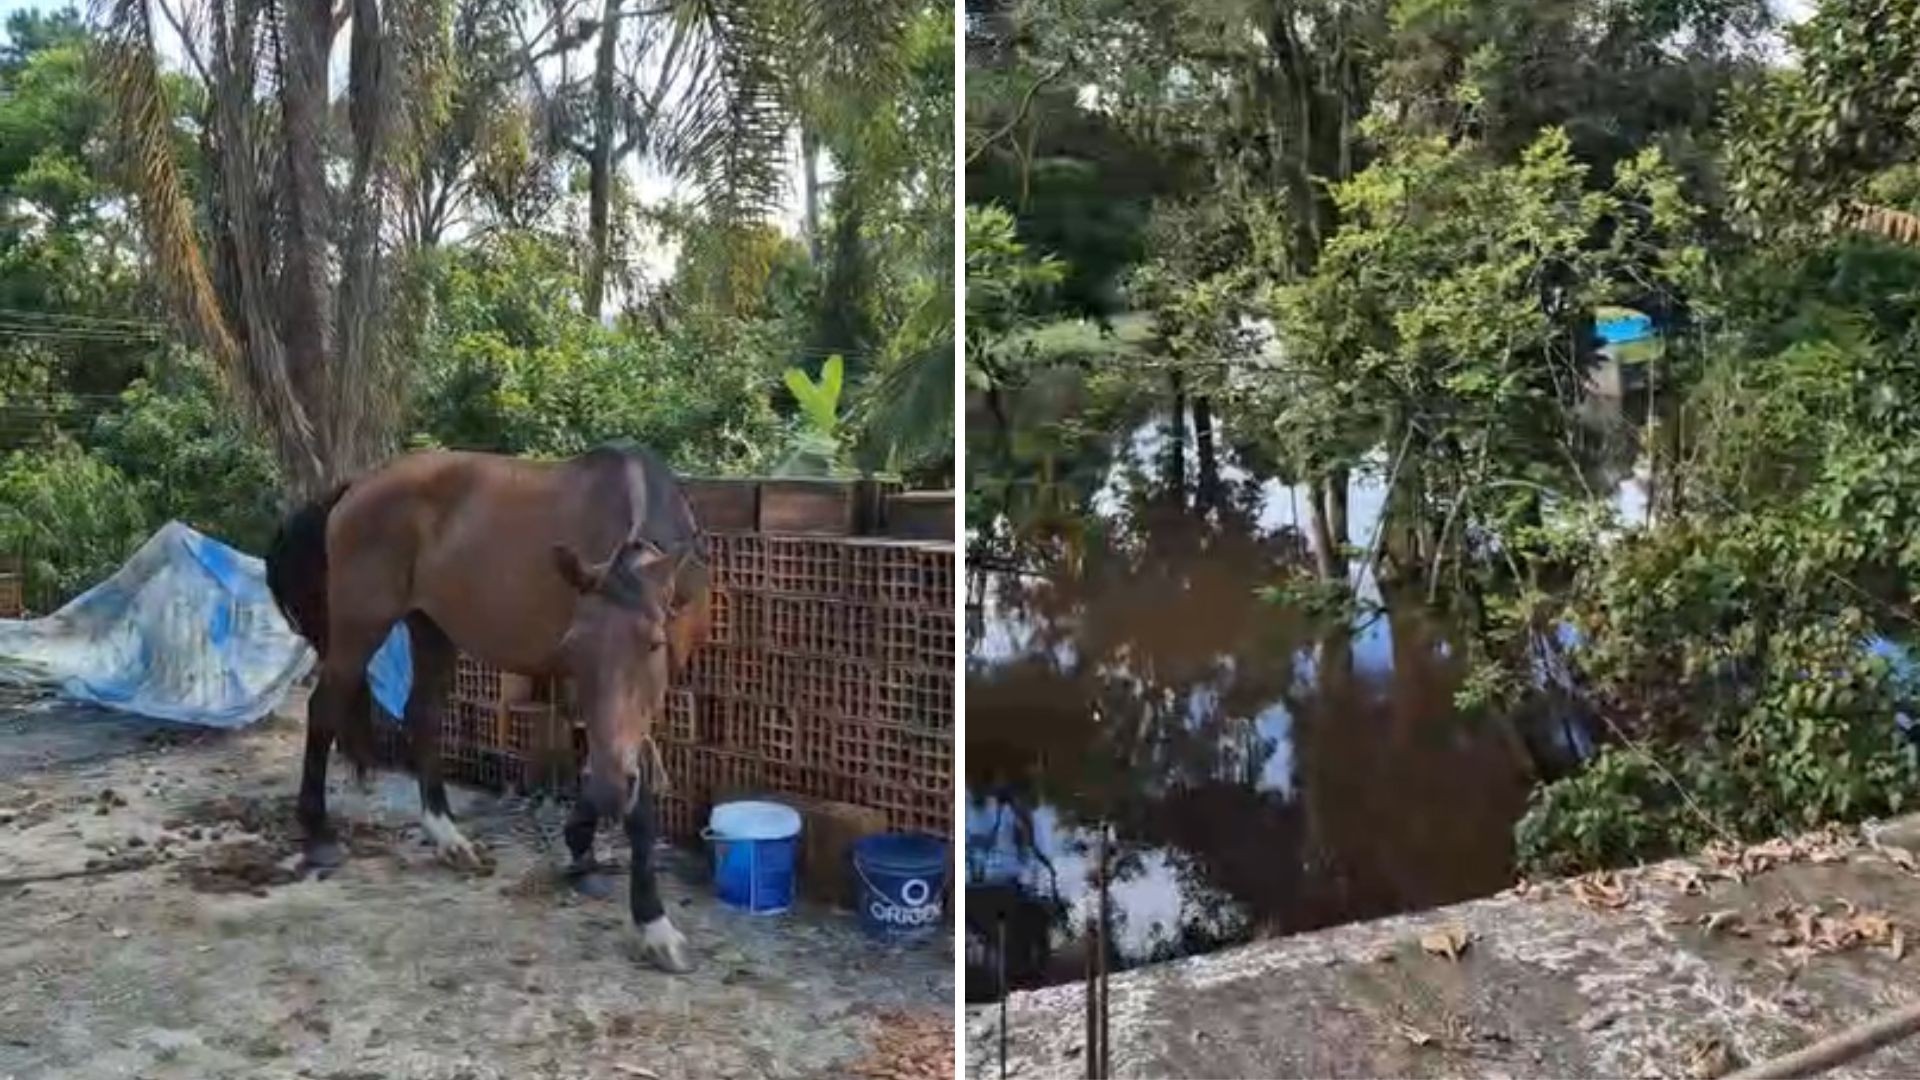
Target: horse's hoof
{"points": [[449, 843], [461, 856], [594, 886], [665, 947], [323, 855]]}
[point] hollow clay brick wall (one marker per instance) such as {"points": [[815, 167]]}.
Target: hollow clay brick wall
{"points": [[828, 674]]}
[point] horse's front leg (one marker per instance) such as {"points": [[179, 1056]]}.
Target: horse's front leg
{"points": [[660, 942], [585, 871]]}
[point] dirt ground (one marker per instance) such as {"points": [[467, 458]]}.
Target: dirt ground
{"points": [[151, 925]]}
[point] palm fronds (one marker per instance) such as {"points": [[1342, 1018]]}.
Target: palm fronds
{"points": [[728, 134]]}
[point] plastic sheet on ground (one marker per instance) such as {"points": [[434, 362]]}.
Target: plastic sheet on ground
{"points": [[186, 630]]}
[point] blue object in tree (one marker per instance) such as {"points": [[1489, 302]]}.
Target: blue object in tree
{"points": [[1623, 328]]}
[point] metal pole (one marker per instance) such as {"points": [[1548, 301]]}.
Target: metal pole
{"points": [[1106, 1048], [1093, 1004], [1003, 995]]}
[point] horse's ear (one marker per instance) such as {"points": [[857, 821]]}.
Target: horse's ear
{"points": [[573, 571], [691, 578]]}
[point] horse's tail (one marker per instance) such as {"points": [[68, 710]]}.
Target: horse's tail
{"points": [[297, 577], [297, 568]]}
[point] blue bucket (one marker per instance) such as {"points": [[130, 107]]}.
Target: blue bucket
{"points": [[902, 881], [755, 847]]}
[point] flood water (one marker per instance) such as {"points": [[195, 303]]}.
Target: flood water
{"points": [[1261, 770]]}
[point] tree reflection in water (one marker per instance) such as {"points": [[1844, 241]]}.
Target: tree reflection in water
{"points": [[1264, 770]]}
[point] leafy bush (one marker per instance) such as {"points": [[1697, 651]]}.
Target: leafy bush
{"points": [[1740, 654], [73, 517], [510, 365], [191, 458]]}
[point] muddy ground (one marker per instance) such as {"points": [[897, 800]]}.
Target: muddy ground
{"points": [[152, 925]]}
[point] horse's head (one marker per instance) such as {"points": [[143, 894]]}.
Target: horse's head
{"points": [[616, 650]]}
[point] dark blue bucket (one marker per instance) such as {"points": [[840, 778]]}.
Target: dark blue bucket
{"points": [[902, 883], [755, 847]]}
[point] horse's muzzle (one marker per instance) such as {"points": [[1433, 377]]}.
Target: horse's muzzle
{"points": [[610, 796]]}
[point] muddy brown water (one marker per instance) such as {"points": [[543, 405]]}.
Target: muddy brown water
{"points": [[1262, 770]]}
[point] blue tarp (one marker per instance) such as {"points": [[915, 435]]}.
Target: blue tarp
{"points": [[185, 631]]}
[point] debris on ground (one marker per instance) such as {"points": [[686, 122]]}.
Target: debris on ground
{"points": [[910, 1046], [1707, 1058], [246, 866], [1830, 844], [1602, 890], [1813, 928], [1448, 941]]}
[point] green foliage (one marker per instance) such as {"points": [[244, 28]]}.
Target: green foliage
{"points": [[190, 459], [1730, 644], [71, 516], [1807, 136], [1004, 284], [510, 364], [816, 447]]}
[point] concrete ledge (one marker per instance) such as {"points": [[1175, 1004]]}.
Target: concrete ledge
{"points": [[1556, 981]]}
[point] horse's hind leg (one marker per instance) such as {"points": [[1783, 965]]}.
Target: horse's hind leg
{"points": [[322, 848], [342, 687], [660, 940], [433, 660]]}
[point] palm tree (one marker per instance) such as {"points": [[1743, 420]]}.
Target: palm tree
{"points": [[284, 273]]}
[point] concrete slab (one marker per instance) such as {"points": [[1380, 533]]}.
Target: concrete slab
{"points": [[1622, 976]]}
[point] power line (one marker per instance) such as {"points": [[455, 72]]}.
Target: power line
{"points": [[69, 318]]}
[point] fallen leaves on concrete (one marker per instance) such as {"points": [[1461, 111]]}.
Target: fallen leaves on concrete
{"points": [[1832, 928], [909, 1046], [1803, 929], [1447, 941], [1707, 1058], [1604, 889], [1827, 845], [1726, 920]]}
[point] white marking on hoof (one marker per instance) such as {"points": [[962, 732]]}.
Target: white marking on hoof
{"points": [[666, 947], [453, 847]]}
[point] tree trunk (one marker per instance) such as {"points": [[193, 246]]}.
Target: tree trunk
{"points": [[600, 160], [810, 159], [306, 302], [1324, 554], [1209, 456], [1176, 460], [1336, 497]]}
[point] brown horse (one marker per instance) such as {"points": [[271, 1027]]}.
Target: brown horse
{"points": [[592, 569]]}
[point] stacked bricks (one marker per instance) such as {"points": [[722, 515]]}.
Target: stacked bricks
{"points": [[499, 730], [829, 674]]}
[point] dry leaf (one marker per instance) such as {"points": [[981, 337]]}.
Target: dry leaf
{"points": [[1413, 1034], [1727, 919], [1684, 876], [1448, 941], [1708, 1058], [635, 1070], [1897, 948], [1601, 890]]}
